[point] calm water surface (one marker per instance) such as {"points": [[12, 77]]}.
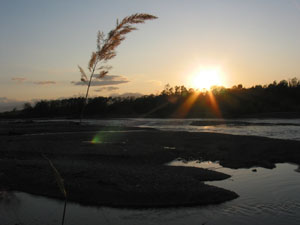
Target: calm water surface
{"points": [[272, 128], [266, 197]]}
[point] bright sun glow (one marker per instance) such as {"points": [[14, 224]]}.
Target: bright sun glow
{"points": [[206, 78]]}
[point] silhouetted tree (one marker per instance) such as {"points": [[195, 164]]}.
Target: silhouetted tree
{"points": [[232, 102]]}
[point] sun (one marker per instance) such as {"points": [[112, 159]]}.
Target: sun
{"points": [[205, 78]]}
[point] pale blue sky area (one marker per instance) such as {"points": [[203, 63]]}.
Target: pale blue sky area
{"points": [[42, 42]]}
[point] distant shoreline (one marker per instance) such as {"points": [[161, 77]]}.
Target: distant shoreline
{"points": [[272, 115]]}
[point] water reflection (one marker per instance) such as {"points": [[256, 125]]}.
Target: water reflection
{"points": [[272, 128], [266, 197]]}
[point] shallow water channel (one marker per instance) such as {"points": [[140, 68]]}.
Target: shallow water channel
{"points": [[272, 128], [266, 197]]}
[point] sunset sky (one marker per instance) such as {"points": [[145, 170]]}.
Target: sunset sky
{"points": [[42, 42]]}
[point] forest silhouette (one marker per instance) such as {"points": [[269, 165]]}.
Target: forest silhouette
{"points": [[177, 102]]}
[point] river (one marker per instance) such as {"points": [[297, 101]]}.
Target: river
{"points": [[266, 196], [272, 128]]}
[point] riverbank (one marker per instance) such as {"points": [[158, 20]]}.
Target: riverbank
{"points": [[126, 167]]}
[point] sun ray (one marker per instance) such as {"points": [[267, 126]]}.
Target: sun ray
{"points": [[185, 107], [214, 104]]}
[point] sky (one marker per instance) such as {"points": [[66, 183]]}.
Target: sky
{"points": [[42, 42]]}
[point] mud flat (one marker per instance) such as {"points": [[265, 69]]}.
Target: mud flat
{"points": [[126, 167]]}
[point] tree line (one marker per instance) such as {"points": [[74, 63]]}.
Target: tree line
{"points": [[176, 102]]}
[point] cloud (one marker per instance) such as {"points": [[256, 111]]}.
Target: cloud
{"points": [[19, 79], [110, 88], [22, 79], [107, 80], [44, 82]]}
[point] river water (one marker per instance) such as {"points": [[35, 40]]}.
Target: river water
{"points": [[272, 128], [266, 196]]}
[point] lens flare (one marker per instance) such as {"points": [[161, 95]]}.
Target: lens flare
{"points": [[108, 135], [98, 138]]}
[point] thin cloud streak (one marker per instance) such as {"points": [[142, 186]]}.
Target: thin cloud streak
{"points": [[106, 89], [19, 79], [128, 94], [107, 80], [44, 82], [23, 79]]}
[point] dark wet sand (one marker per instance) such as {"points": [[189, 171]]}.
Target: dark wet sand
{"points": [[126, 168]]}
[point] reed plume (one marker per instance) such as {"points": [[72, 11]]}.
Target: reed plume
{"points": [[106, 49]]}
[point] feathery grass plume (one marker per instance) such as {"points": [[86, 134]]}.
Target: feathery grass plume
{"points": [[83, 75], [60, 183], [106, 49]]}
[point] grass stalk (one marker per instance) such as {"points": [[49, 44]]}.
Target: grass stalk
{"points": [[60, 183], [64, 212], [106, 50]]}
